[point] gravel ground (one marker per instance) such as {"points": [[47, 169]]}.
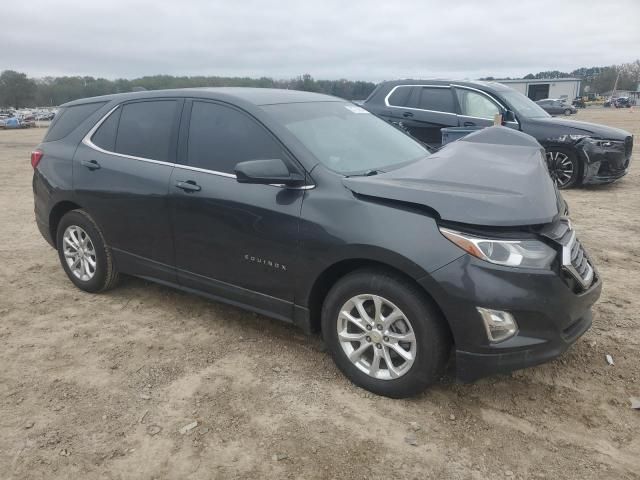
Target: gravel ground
{"points": [[106, 386]]}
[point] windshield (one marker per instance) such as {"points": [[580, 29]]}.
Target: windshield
{"points": [[523, 106], [345, 137]]}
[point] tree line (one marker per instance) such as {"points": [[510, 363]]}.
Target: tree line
{"points": [[18, 90]]}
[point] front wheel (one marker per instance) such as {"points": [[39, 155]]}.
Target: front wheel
{"points": [[85, 257], [563, 167], [383, 334], [568, 112]]}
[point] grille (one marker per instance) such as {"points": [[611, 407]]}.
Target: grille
{"points": [[576, 261]]}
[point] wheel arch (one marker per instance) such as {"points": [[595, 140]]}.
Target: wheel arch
{"points": [[58, 211], [339, 269]]}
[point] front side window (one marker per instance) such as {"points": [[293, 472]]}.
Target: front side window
{"points": [[346, 138], [220, 137], [436, 99], [145, 128], [474, 104]]}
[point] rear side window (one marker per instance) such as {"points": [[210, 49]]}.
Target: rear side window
{"points": [[69, 118], [220, 137], [145, 129], [400, 97], [437, 99], [105, 136]]}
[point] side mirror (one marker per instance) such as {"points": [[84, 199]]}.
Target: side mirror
{"points": [[508, 116], [267, 172]]}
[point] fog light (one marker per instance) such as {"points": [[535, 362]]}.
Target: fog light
{"points": [[499, 325]]}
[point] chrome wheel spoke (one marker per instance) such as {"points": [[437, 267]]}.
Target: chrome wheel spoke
{"points": [[357, 353], [401, 351], [402, 337], [359, 322], [345, 336], [375, 363], [387, 359]]}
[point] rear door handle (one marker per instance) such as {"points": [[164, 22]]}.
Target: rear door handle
{"points": [[188, 186], [407, 114], [90, 164], [469, 124]]}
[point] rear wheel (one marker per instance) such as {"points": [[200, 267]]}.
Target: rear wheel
{"points": [[563, 167], [383, 334], [86, 259]]}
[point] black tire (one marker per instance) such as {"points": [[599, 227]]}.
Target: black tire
{"points": [[105, 275], [555, 157], [433, 341], [567, 111]]}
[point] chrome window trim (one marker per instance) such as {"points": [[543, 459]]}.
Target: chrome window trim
{"points": [[87, 141], [492, 98], [386, 99]]}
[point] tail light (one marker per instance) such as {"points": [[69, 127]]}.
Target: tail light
{"points": [[36, 156]]}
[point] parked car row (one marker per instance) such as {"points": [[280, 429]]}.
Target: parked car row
{"points": [[620, 102], [576, 152]]}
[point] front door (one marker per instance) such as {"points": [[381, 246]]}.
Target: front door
{"points": [[476, 108], [235, 241]]}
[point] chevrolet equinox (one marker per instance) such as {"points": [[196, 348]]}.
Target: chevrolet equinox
{"points": [[309, 209]]}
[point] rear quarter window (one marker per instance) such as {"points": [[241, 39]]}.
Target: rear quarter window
{"points": [[400, 97], [69, 118]]}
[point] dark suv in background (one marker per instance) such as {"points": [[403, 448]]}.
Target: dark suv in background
{"points": [[311, 210], [577, 152]]}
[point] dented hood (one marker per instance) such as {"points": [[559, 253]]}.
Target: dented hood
{"points": [[494, 177]]}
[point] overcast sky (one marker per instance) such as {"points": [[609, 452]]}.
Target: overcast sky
{"points": [[354, 39]]}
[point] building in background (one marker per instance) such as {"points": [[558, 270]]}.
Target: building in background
{"points": [[541, 88]]}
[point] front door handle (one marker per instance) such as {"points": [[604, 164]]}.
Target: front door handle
{"points": [[188, 186], [407, 114], [469, 124], [90, 164]]}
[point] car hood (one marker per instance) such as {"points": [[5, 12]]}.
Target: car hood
{"points": [[575, 127], [494, 177]]}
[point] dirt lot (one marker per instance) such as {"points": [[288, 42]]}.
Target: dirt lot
{"points": [[99, 386]]}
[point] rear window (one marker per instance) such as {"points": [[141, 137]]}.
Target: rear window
{"points": [[69, 118], [145, 129]]}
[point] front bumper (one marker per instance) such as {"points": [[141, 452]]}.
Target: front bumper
{"points": [[551, 312], [605, 163]]}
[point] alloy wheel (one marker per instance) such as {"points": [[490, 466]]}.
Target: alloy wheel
{"points": [[376, 336], [79, 253], [560, 167]]}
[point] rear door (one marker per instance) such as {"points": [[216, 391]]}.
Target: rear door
{"points": [[236, 241], [430, 108], [121, 177]]}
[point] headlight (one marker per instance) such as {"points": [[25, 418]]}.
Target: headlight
{"points": [[510, 253]]}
